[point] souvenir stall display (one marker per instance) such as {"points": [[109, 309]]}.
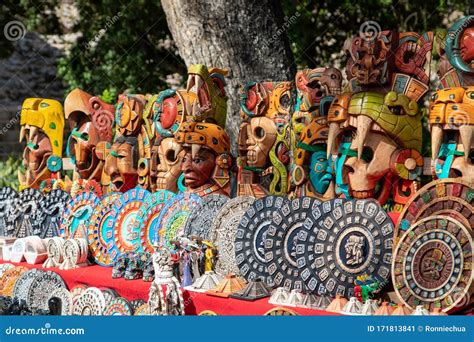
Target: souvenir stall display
{"points": [[324, 210]]}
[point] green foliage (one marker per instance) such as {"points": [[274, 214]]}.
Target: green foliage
{"points": [[318, 35], [9, 172], [120, 49]]}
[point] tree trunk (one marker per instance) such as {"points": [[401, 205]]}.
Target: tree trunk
{"points": [[247, 37]]}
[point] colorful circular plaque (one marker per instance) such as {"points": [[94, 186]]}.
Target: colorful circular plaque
{"points": [[450, 197], [282, 237], [250, 238], [9, 278], [147, 217], [124, 214], [224, 228], [76, 216], [118, 307], [100, 231], [173, 218], [432, 264], [349, 240], [199, 222]]}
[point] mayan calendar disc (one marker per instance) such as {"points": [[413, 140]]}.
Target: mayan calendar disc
{"points": [[100, 230], [23, 283], [124, 214], [66, 300], [450, 197], [41, 288], [173, 218], [24, 213], [433, 264], [77, 290], [199, 222], [223, 232], [250, 238], [7, 196], [147, 217], [281, 240], [50, 212], [4, 268], [350, 240], [9, 278], [90, 303], [118, 307], [77, 214]]}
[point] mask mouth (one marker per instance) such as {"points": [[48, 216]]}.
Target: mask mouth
{"points": [[117, 182], [370, 193]]}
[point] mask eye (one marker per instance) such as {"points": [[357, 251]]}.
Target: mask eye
{"points": [[470, 95], [367, 154], [259, 132], [171, 156]]}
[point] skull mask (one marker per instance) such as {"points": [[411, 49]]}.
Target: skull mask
{"points": [[373, 152], [452, 132], [165, 165]]}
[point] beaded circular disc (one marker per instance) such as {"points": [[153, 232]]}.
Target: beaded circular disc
{"points": [[147, 217], [142, 310], [173, 218], [126, 234], [281, 240], [109, 294], [432, 264], [7, 197], [76, 215], [199, 222], [348, 241], [5, 267], [90, 303], [224, 229], [66, 300], [100, 231], [54, 246], [8, 280], [118, 307], [250, 238], [51, 210], [28, 204], [22, 284], [71, 251], [440, 197], [77, 291], [41, 288]]}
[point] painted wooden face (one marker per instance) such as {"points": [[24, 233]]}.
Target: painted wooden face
{"points": [[198, 169], [121, 167], [165, 165]]}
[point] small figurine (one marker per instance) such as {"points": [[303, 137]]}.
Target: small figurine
{"points": [[120, 266], [135, 265]]}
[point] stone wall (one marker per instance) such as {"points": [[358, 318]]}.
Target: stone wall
{"points": [[31, 71]]}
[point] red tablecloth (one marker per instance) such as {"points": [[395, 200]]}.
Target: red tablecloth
{"points": [[195, 302]]}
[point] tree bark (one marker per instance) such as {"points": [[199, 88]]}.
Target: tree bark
{"points": [[247, 37]]}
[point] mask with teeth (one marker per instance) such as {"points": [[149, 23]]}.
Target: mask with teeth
{"points": [[206, 158], [211, 100], [264, 137], [91, 121], [121, 164], [312, 85], [42, 126], [376, 143], [452, 133], [165, 165]]}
